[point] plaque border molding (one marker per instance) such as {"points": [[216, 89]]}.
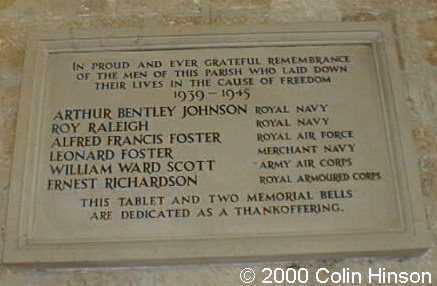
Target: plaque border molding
{"points": [[412, 236]]}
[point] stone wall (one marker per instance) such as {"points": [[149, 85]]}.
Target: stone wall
{"points": [[415, 25]]}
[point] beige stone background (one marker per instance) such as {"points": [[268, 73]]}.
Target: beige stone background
{"points": [[415, 25]]}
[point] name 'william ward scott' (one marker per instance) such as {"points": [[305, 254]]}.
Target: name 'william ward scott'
{"points": [[213, 110]]}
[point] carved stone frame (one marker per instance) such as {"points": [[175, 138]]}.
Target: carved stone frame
{"points": [[21, 248]]}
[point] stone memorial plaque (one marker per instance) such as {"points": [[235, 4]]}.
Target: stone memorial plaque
{"points": [[206, 146]]}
